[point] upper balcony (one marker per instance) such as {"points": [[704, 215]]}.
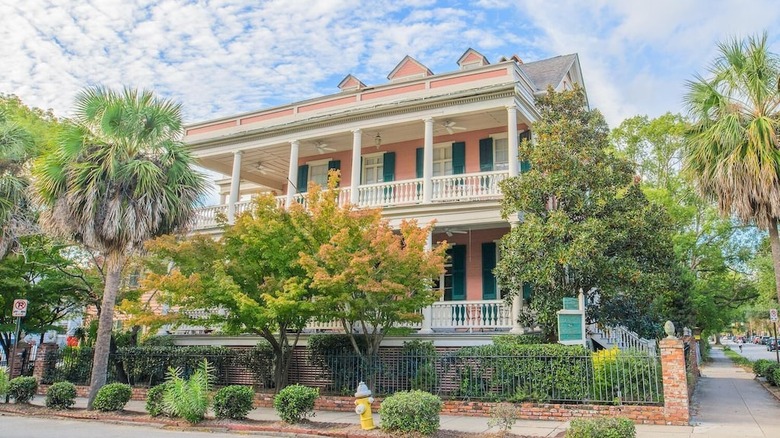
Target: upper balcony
{"points": [[481, 186]]}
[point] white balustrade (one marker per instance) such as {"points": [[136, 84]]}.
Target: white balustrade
{"points": [[623, 338], [390, 193], [468, 186], [451, 188], [470, 315]]}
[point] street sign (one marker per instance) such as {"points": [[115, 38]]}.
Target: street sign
{"points": [[20, 308], [773, 315]]}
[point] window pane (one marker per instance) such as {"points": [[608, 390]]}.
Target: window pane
{"points": [[319, 174], [501, 154]]}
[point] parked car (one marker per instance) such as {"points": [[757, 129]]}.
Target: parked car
{"points": [[765, 340], [771, 345]]}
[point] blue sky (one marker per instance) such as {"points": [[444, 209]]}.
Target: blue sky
{"points": [[223, 57]]}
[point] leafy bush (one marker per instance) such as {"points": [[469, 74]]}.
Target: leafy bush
{"points": [[260, 359], [188, 398], [760, 366], [148, 365], [3, 381], [334, 354], [776, 375], [503, 415], [522, 372], [726, 348], [233, 402], [418, 366], [22, 389], [154, 400], [515, 340], [61, 395], [601, 428], [770, 374], [626, 376], [112, 397], [411, 411], [295, 403]]}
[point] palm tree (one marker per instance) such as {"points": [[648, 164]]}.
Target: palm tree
{"points": [[16, 149], [732, 148], [118, 177]]}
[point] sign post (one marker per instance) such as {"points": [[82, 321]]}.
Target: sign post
{"points": [[19, 311], [773, 318]]}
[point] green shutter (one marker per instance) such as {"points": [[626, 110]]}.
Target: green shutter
{"points": [[458, 158], [488, 264], [334, 165], [528, 292], [485, 155], [458, 272], [388, 166], [525, 166], [303, 178], [420, 159]]}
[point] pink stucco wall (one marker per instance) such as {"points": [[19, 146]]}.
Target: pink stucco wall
{"points": [[473, 242]]}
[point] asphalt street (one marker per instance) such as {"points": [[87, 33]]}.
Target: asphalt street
{"points": [[12, 426], [752, 351]]}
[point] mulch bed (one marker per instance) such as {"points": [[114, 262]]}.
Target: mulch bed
{"points": [[306, 428]]}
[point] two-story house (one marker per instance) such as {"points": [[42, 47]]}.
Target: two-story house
{"points": [[423, 145]]}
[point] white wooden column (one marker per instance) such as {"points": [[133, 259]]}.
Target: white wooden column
{"points": [[357, 145], [428, 162], [292, 174], [517, 298], [511, 121], [427, 312], [235, 186]]}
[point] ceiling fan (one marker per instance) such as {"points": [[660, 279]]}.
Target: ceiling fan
{"points": [[449, 232], [451, 126], [322, 147], [265, 169]]}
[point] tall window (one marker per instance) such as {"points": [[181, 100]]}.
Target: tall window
{"points": [[442, 161], [373, 169], [318, 173], [500, 154]]}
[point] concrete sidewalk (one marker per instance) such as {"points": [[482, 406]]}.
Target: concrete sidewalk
{"points": [[728, 403]]}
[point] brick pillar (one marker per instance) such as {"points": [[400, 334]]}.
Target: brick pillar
{"points": [[39, 368], [675, 380]]}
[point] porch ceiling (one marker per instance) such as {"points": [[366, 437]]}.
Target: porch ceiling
{"points": [[268, 165]]}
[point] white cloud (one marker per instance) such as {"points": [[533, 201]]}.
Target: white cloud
{"points": [[220, 57]]}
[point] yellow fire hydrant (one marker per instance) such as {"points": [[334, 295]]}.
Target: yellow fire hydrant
{"points": [[363, 406]]}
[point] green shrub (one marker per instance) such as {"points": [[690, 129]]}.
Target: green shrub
{"points": [[760, 366], [22, 389], [3, 381], [515, 340], [411, 411], [726, 348], [295, 403], [188, 398], [260, 359], [601, 428], [341, 365], [112, 397], [418, 366], [770, 374], [522, 372], [149, 365], [776, 375], [626, 376], [503, 415], [233, 402], [61, 395], [154, 400]]}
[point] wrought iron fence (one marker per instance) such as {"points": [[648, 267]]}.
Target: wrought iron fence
{"points": [[633, 378], [624, 378], [138, 368]]}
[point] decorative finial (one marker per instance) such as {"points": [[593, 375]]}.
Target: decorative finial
{"points": [[669, 329]]}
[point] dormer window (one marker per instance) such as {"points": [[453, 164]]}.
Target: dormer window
{"points": [[409, 68], [472, 59]]}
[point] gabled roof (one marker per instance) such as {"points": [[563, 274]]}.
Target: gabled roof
{"points": [[351, 83], [548, 71], [409, 67], [470, 57]]}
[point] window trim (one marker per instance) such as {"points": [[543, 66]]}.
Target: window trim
{"points": [[443, 146], [363, 167], [319, 162]]}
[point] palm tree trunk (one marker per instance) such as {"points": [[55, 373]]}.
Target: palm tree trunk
{"points": [[105, 324], [774, 242]]}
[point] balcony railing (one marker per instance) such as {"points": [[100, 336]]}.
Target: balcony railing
{"points": [[451, 188]]}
